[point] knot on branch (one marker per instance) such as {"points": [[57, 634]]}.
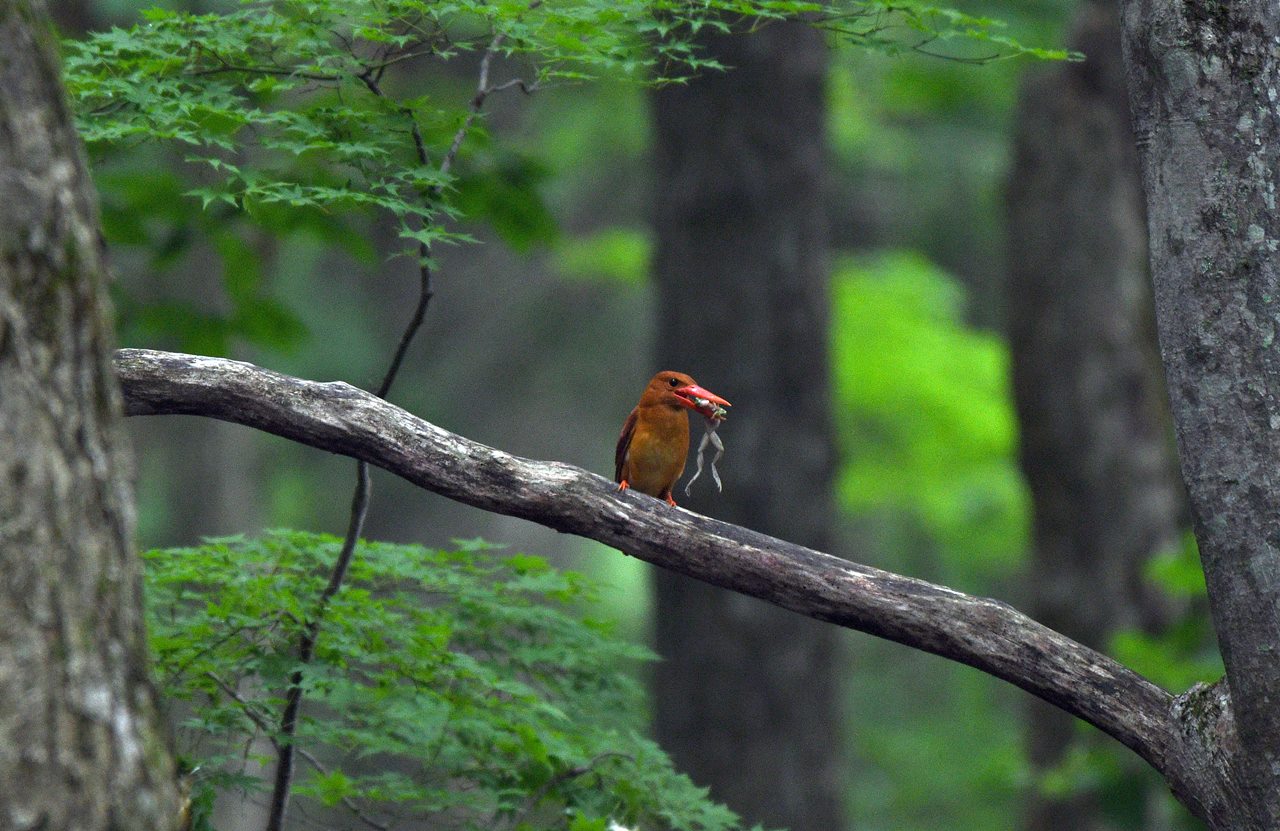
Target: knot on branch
{"points": [[1210, 748], [1204, 714]]}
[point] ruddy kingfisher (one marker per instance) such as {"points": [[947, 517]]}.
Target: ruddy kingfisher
{"points": [[654, 443]]}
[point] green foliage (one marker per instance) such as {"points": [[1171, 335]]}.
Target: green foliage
{"points": [[505, 189], [144, 209], [1127, 792], [927, 426], [305, 83], [307, 86], [936, 31], [1185, 652], [1178, 572], [459, 687]]}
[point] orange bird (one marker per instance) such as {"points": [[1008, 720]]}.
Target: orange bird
{"points": [[655, 438]]}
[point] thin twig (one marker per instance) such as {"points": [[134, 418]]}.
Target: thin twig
{"points": [[425, 292], [227, 66], [371, 78], [482, 92], [177, 672], [250, 711], [979, 61], [381, 65], [525, 87], [285, 745], [267, 70]]}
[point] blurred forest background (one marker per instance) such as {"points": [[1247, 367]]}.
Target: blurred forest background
{"points": [[974, 388]]}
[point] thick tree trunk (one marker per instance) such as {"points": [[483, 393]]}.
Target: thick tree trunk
{"points": [[1095, 443], [745, 694], [1203, 78], [80, 742]]}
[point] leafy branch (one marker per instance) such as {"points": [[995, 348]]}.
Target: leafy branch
{"points": [[559, 779]]}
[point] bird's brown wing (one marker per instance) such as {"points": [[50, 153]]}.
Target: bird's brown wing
{"points": [[624, 443]]}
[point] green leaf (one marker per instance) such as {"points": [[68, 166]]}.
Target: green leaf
{"points": [[504, 192]]}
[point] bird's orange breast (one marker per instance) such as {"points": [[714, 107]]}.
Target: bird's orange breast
{"points": [[656, 455]]}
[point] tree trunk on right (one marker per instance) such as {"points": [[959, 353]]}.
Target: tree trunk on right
{"points": [[1095, 445], [1204, 85]]}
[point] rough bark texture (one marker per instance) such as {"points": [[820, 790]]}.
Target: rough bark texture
{"points": [[745, 695], [1204, 84], [1095, 443], [983, 633], [81, 745]]}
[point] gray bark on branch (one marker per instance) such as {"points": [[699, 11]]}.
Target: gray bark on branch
{"points": [[983, 633]]}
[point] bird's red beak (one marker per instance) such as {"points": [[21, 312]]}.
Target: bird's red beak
{"points": [[696, 398]]}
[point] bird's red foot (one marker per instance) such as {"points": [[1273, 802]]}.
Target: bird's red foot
{"points": [[671, 501], [622, 486]]}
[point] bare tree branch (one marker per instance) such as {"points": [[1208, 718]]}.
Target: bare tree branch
{"points": [[983, 633]]}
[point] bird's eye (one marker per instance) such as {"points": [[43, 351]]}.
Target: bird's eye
{"points": [[675, 382]]}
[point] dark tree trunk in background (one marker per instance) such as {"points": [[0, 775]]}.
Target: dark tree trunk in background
{"points": [[745, 694], [73, 17], [1203, 79], [80, 742], [1096, 449]]}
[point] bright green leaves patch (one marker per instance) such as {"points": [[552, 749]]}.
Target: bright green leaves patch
{"points": [[277, 107], [926, 413], [447, 685]]}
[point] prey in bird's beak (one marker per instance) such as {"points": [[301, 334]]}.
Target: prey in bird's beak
{"points": [[712, 408], [703, 401]]}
